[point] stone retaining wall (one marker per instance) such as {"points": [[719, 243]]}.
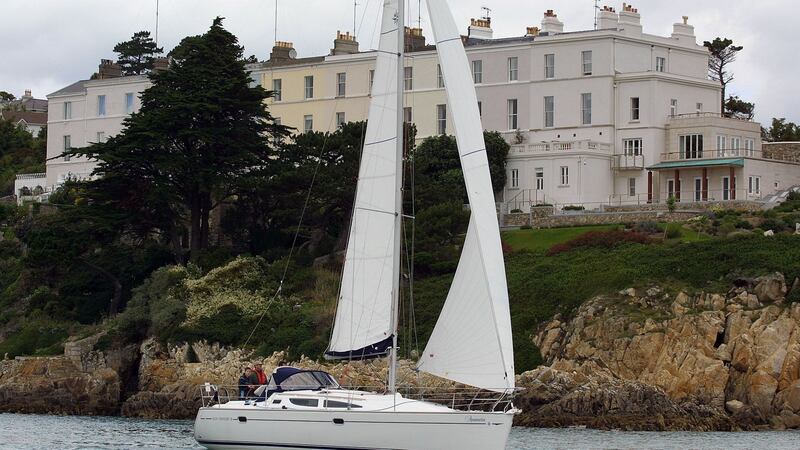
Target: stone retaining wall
{"points": [[742, 205], [610, 218]]}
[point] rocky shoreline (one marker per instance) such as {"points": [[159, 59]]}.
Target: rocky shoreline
{"points": [[645, 360]]}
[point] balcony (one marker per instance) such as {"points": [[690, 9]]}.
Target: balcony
{"points": [[628, 162], [539, 148], [713, 154]]}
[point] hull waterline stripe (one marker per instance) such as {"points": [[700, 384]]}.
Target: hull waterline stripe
{"points": [[251, 419], [276, 445]]}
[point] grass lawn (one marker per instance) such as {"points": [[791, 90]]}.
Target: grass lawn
{"points": [[541, 240]]}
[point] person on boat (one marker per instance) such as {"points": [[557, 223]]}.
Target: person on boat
{"points": [[260, 375], [246, 384]]}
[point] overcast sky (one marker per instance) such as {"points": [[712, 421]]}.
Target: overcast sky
{"points": [[48, 44]]}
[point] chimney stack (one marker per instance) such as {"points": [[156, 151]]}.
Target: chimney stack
{"points": [[630, 21], [551, 24], [27, 94], [108, 69], [480, 29], [684, 32], [161, 64], [608, 19], [344, 44], [282, 51], [531, 31], [414, 39]]}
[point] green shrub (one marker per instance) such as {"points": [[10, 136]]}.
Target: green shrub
{"points": [[647, 227], [772, 224], [516, 211], [573, 208], [38, 336], [599, 239], [673, 232], [744, 225]]}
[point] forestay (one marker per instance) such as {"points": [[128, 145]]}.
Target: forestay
{"points": [[472, 341], [363, 326]]}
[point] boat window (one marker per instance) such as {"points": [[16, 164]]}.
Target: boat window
{"points": [[276, 401], [309, 402], [335, 404]]}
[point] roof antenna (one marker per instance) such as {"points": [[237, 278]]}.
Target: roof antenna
{"points": [[355, 9], [156, 23], [596, 9], [487, 13]]}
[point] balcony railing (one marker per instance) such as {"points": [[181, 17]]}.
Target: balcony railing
{"points": [[629, 162], [561, 146], [31, 176], [706, 114], [714, 154]]}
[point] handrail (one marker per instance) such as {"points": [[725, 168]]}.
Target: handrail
{"points": [[31, 176], [457, 398]]}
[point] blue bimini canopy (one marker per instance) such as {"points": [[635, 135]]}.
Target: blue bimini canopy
{"points": [[294, 379]]}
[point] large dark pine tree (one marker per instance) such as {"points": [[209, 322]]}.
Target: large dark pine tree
{"points": [[137, 55], [201, 134]]}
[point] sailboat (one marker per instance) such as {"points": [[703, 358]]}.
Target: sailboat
{"points": [[471, 343]]}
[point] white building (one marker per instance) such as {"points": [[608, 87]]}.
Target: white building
{"points": [[83, 113]]}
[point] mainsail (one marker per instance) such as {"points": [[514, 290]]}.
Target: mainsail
{"points": [[472, 341], [364, 319]]}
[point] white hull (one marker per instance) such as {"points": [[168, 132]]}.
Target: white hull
{"points": [[224, 428]]}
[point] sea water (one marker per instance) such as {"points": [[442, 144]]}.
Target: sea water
{"points": [[77, 432]]}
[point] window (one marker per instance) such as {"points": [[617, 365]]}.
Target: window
{"points": [[564, 176], [512, 114], [749, 147], [513, 68], [129, 103], [735, 146], [276, 138], [726, 188], [634, 108], [671, 188], [632, 187], [586, 109], [101, 137], [721, 143], [439, 76], [441, 119], [549, 111], [698, 189], [309, 87], [308, 402], [480, 109], [341, 84], [673, 107], [335, 404], [699, 108], [67, 146], [477, 71], [67, 110], [277, 90], [754, 185], [408, 78], [514, 178], [691, 146], [661, 64], [101, 105], [539, 178], [632, 147], [308, 124], [340, 120], [586, 58], [408, 115], [549, 66], [371, 80]]}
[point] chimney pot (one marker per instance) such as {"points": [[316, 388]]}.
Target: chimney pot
{"points": [[686, 20]]}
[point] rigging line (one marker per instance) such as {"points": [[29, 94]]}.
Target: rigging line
{"points": [[299, 223]]}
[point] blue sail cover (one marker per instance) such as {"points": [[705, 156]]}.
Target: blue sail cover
{"points": [[377, 350]]}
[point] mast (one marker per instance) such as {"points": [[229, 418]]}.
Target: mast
{"points": [[401, 35]]}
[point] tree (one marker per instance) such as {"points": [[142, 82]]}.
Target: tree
{"points": [[723, 53], [739, 109], [201, 135], [137, 55], [7, 97], [782, 131]]}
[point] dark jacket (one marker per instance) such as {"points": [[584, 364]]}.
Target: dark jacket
{"points": [[254, 379]]}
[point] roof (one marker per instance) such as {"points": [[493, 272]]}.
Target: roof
{"points": [[738, 162], [74, 88], [30, 117]]}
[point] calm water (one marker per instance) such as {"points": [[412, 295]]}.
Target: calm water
{"points": [[51, 432]]}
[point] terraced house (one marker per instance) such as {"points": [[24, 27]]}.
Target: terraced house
{"points": [[611, 116]]}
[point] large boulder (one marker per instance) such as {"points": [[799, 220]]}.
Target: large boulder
{"points": [[771, 288]]}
